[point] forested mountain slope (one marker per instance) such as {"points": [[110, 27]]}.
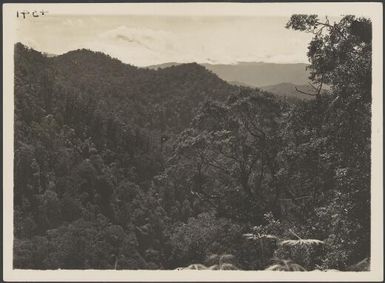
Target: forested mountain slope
{"points": [[88, 128], [182, 88]]}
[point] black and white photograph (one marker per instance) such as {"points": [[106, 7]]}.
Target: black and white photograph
{"points": [[219, 138]]}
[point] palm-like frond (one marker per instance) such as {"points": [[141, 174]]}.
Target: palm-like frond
{"points": [[195, 266], [302, 242], [228, 266], [285, 265], [251, 236], [214, 267]]}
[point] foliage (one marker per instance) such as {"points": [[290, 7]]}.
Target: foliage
{"points": [[285, 265], [202, 236], [340, 56], [117, 167], [214, 262]]}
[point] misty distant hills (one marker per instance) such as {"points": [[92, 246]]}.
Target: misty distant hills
{"points": [[255, 74], [261, 74], [289, 90]]}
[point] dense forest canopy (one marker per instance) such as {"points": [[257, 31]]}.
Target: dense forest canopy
{"points": [[118, 167]]}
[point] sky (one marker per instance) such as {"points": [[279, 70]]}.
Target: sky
{"points": [[144, 40]]}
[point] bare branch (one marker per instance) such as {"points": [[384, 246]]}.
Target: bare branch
{"points": [[320, 86], [313, 86], [255, 126], [318, 90], [332, 27]]}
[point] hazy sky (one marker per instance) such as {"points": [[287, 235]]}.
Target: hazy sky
{"points": [[148, 40]]}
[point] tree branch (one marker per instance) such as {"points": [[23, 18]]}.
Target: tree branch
{"points": [[333, 27], [204, 199], [318, 90], [310, 94], [313, 86]]}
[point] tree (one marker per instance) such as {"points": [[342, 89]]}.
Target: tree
{"points": [[339, 127], [231, 153], [339, 53]]}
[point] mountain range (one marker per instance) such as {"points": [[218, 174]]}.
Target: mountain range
{"points": [[279, 79], [255, 74], [164, 99], [282, 80]]}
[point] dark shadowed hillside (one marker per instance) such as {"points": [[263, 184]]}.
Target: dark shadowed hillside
{"points": [[170, 95], [90, 135], [289, 90]]}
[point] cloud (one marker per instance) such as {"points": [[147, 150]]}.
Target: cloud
{"points": [[149, 38], [73, 22], [145, 41], [146, 46], [284, 58]]}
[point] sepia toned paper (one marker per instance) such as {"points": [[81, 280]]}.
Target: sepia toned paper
{"points": [[161, 33]]}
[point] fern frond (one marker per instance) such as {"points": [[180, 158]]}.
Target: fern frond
{"points": [[228, 266], [302, 242], [214, 267], [285, 265], [250, 236], [196, 266]]}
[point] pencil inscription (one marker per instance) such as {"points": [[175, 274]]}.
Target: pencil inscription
{"points": [[25, 13]]}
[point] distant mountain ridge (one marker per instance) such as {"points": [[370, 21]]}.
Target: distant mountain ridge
{"points": [[255, 74], [289, 90], [162, 66]]}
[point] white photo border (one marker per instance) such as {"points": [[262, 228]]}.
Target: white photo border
{"points": [[369, 9]]}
